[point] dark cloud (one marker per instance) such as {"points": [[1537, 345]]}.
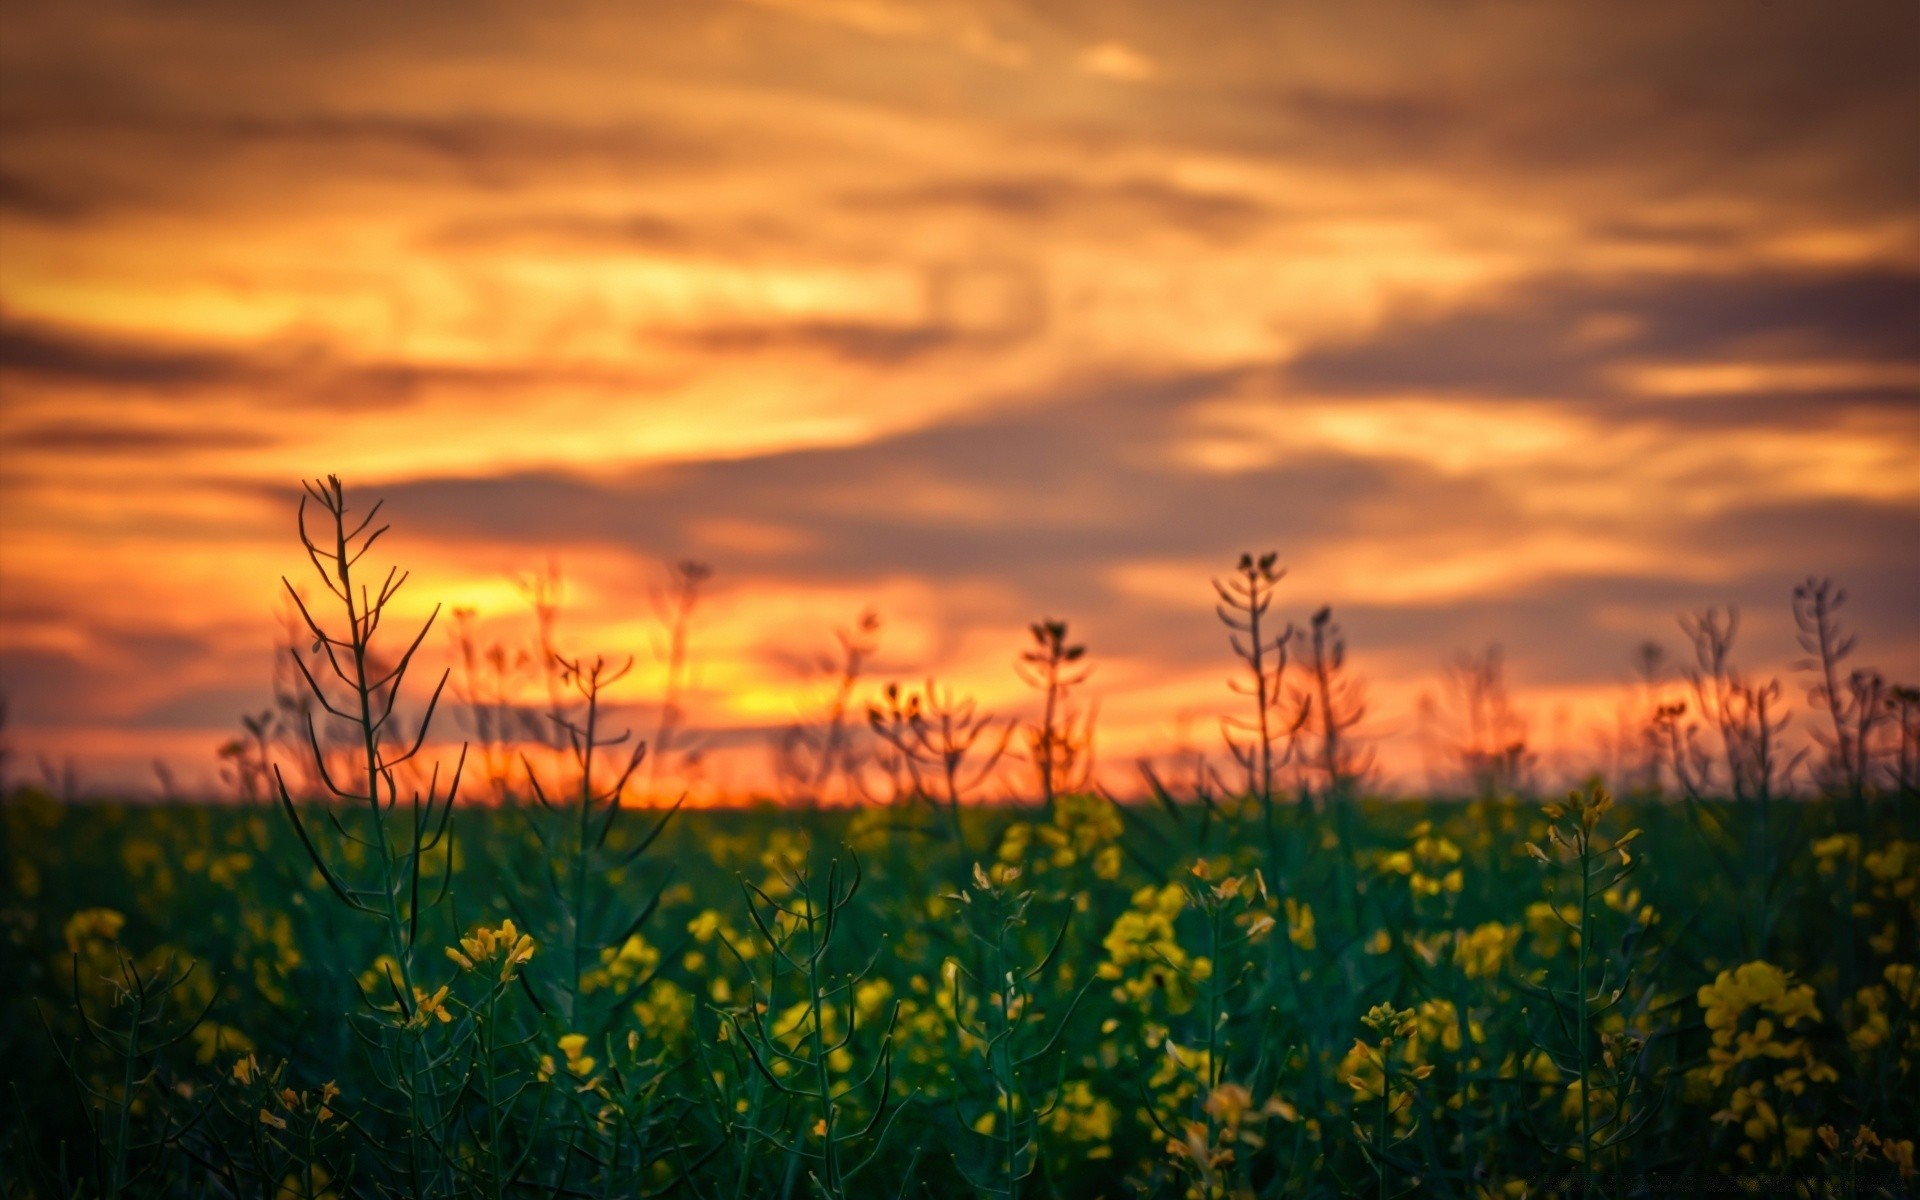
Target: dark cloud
{"points": [[1700, 99], [1035, 199], [68, 356], [198, 708], [1569, 631], [485, 146], [867, 343], [88, 439], [54, 687], [642, 231], [296, 374], [1043, 500], [34, 200], [47, 687], [1562, 337]]}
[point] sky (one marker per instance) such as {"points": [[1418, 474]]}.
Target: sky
{"points": [[1500, 323]]}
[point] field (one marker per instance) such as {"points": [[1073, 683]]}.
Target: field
{"points": [[349, 982], [1214, 998]]}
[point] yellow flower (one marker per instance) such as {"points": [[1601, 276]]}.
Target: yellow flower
{"points": [[427, 1007], [1228, 1103], [512, 947], [1832, 851], [1299, 923], [1081, 1116], [1483, 950], [1754, 985], [1900, 1154], [93, 924]]}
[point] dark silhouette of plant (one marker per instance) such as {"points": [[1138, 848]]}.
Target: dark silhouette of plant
{"points": [[544, 592], [1007, 1040], [1330, 707], [1855, 704], [1489, 737], [295, 656], [580, 852], [1597, 864], [932, 734], [812, 753], [246, 762], [484, 686], [387, 879], [799, 1017], [1903, 715], [1060, 744], [1651, 669], [674, 605], [1744, 720], [1245, 598], [136, 1123], [1743, 717], [368, 701]]}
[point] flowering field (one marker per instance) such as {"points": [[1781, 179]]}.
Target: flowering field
{"points": [[1212, 999]]}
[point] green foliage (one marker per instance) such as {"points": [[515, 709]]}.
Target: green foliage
{"points": [[1114, 1002]]}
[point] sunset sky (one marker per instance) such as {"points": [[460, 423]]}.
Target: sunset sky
{"points": [[1536, 324]]}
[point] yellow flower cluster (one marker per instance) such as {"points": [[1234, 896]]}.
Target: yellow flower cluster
{"points": [[1373, 1071], [1551, 927], [1429, 863], [429, 1006], [1083, 828], [1893, 880], [1897, 1152], [283, 1104], [270, 952], [1757, 1014], [1766, 992], [665, 1012], [1206, 1149], [211, 1039], [513, 948], [223, 870], [1300, 924], [93, 925], [1876, 1006], [1079, 1115], [1890, 881], [1483, 950], [624, 965], [1837, 852], [1145, 956], [1628, 903], [579, 1064], [1177, 1074]]}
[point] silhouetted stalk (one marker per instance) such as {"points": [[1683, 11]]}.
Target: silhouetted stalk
{"points": [[396, 898], [1061, 741], [1242, 608], [934, 734], [676, 609]]}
